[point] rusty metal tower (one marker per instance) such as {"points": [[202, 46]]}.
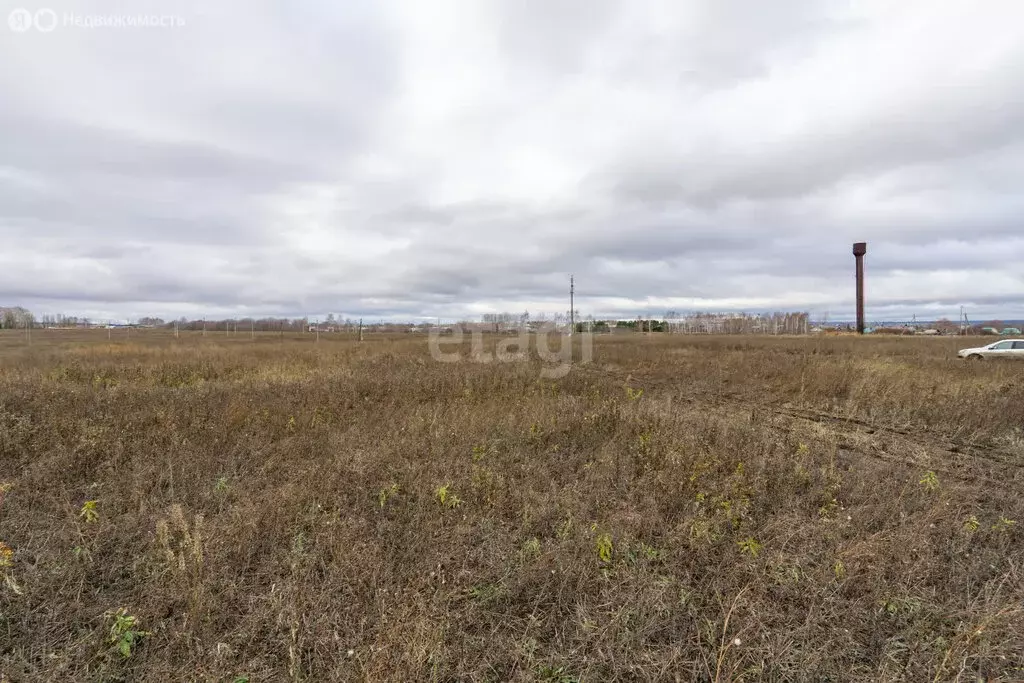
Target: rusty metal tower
{"points": [[859, 249]]}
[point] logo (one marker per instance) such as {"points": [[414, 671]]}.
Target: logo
{"points": [[526, 344], [19, 20], [45, 20]]}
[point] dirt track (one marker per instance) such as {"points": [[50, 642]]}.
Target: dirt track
{"points": [[966, 461]]}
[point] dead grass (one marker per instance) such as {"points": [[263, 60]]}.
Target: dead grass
{"points": [[767, 509]]}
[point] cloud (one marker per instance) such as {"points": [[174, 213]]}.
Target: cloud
{"points": [[445, 159]]}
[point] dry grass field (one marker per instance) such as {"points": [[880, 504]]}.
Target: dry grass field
{"points": [[679, 509]]}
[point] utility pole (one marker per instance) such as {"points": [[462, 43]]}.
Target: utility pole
{"points": [[252, 329], [361, 329], [572, 305], [175, 329]]}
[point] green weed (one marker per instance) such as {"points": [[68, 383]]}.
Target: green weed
{"points": [[1004, 524], [480, 451], [604, 547], [551, 674], [384, 494], [749, 546], [124, 633], [89, 512], [447, 498]]}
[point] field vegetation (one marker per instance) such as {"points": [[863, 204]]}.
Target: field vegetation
{"points": [[223, 508]]}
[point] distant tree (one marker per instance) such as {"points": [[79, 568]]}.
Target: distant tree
{"points": [[25, 317]]}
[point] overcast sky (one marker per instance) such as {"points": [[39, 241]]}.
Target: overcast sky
{"points": [[456, 157]]}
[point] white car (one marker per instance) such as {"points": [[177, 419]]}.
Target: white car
{"points": [[1004, 348]]}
